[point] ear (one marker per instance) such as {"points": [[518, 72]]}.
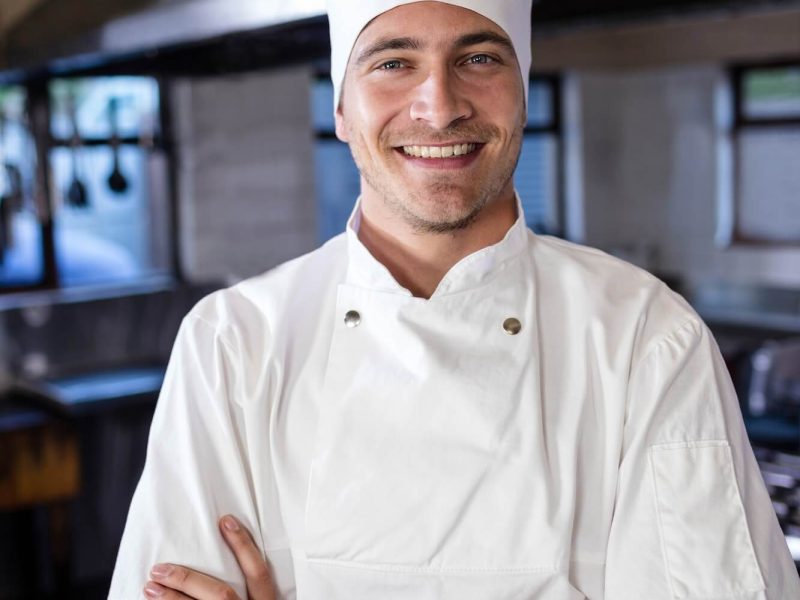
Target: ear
{"points": [[341, 125]]}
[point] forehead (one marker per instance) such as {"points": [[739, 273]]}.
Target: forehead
{"points": [[429, 22]]}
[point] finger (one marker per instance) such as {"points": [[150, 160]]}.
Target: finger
{"points": [[257, 573], [159, 592], [191, 583]]}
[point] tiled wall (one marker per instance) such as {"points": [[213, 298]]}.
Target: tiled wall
{"points": [[246, 172]]}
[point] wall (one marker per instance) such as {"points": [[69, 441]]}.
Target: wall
{"points": [[246, 172], [650, 160], [757, 31]]}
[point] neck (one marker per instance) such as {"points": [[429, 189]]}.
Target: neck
{"points": [[419, 261]]}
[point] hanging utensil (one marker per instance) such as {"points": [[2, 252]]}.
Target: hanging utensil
{"points": [[13, 192], [77, 195], [14, 176], [116, 181], [10, 203]]}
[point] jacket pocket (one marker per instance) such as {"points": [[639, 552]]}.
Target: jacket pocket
{"points": [[704, 532]]}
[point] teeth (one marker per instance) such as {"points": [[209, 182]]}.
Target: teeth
{"points": [[439, 151]]}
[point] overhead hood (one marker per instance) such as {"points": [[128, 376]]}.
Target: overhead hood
{"points": [[175, 22], [72, 34]]}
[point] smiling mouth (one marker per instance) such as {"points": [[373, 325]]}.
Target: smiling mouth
{"points": [[440, 151]]}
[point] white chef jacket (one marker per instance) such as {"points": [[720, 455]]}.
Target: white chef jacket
{"points": [[413, 449]]}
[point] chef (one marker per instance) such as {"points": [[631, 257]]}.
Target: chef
{"points": [[439, 404]]}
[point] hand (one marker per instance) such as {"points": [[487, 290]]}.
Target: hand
{"points": [[173, 582]]}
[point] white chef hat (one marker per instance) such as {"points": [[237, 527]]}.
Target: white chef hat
{"points": [[349, 17]]}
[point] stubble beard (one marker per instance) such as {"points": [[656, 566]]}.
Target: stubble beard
{"points": [[450, 218]]}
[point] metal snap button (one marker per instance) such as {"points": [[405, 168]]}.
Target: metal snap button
{"points": [[352, 319], [512, 326]]}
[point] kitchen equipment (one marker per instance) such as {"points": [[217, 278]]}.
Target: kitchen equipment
{"points": [[77, 195], [87, 393], [116, 181], [775, 380], [781, 472]]}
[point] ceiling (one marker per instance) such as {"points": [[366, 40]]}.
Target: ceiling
{"points": [[88, 36], [572, 11]]}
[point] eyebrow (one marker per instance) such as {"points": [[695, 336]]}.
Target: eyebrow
{"points": [[382, 45], [485, 37], [409, 43]]}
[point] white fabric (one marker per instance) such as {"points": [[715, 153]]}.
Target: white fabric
{"points": [[348, 18], [426, 454]]}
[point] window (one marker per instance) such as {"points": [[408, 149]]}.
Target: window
{"points": [[338, 181], [105, 216], [766, 154], [538, 175]]}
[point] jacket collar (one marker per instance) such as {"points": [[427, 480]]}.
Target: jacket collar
{"points": [[476, 269]]}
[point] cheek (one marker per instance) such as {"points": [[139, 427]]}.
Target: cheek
{"points": [[497, 93], [510, 115], [508, 98], [377, 116]]}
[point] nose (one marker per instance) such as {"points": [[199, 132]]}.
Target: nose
{"points": [[440, 100]]}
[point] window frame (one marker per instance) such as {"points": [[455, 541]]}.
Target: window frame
{"points": [[554, 128], [742, 123], [38, 104]]}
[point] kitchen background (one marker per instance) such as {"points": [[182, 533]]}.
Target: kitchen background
{"points": [[152, 151]]}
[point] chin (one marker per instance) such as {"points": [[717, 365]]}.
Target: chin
{"points": [[444, 215]]}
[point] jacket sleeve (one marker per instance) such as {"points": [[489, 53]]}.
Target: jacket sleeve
{"points": [[196, 469], [692, 518]]}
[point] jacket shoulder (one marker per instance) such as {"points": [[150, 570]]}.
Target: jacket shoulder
{"points": [[611, 289], [300, 284]]}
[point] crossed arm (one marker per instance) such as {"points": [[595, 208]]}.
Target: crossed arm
{"points": [[174, 582]]}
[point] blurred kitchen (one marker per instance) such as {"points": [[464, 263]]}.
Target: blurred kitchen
{"points": [[152, 151]]}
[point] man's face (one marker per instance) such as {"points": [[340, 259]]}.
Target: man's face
{"points": [[433, 109]]}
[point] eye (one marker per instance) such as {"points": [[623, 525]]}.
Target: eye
{"points": [[480, 59], [390, 65]]}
